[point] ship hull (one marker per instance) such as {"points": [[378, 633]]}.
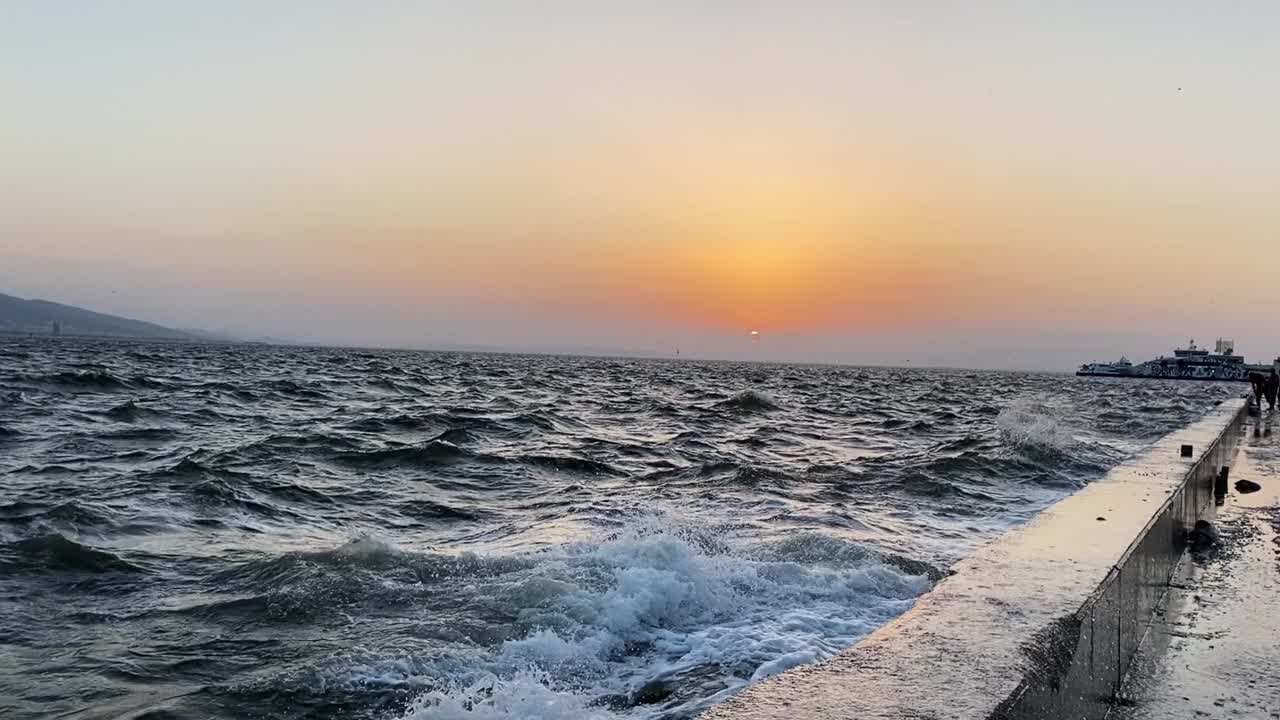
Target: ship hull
{"points": [[1135, 376], [1174, 371]]}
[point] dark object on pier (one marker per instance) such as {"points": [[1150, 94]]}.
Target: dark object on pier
{"points": [[1203, 536], [1247, 486], [1186, 451]]}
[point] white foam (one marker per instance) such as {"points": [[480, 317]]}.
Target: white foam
{"points": [[607, 618], [786, 662], [365, 549], [1034, 423], [525, 695]]}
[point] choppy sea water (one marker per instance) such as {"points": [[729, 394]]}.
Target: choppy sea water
{"points": [[229, 531]]}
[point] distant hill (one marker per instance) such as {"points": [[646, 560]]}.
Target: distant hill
{"points": [[38, 316]]}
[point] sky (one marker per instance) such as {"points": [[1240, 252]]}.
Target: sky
{"points": [[990, 184]]}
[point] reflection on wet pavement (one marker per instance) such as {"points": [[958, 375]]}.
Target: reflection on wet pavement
{"points": [[1215, 652]]}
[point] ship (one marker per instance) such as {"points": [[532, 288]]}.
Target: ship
{"points": [[1189, 363]]}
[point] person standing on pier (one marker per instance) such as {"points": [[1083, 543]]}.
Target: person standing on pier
{"points": [[1258, 382], [1273, 387]]}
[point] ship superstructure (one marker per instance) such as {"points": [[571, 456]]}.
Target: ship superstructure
{"points": [[1189, 363]]}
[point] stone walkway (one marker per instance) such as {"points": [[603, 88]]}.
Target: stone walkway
{"points": [[1214, 652]]}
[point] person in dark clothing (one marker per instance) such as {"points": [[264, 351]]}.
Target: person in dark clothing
{"points": [[1259, 383], [1272, 388]]}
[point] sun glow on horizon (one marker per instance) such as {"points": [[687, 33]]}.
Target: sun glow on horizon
{"points": [[602, 174]]}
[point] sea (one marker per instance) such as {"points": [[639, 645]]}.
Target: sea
{"points": [[252, 531]]}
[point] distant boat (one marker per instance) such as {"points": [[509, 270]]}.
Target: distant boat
{"points": [[1189, 363], [1120, 367]]}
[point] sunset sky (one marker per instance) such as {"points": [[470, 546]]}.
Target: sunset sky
{"points": [[992, 184]]}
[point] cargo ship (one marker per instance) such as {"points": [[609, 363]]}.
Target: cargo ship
{"points": [[1189, 363]]}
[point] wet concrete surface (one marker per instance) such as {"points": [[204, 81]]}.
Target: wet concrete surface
{"points": [[1039, 624], [1214, 650]]}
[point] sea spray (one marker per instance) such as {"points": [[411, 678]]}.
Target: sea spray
{"points": [[1035, 424]]}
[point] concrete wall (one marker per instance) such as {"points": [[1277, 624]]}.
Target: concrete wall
{"points": [[1040, 624]]}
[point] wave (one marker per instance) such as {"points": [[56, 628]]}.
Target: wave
{"points": [[1034, 424], [652, 618], [660, 614], [275, 448], [472, 421], [143, 381], [221, 488], [392, 387], [215, 387], [69, 512], [918, 425], [217, 491], [756, 476], [434, 452], [130, 411], [749, 401], [148, 434], [82, 381], [824, 550], [217, 606], [368, 553], [570, 464], [525, 694], [360, 576], [296, 389], [56, 552], [213, 487], [965, 443], [455, 436], [190, 467], [920, 484], [14, 397], [430, 510], [445, 449], [389, 423]]}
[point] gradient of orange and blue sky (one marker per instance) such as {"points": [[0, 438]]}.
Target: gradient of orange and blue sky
{"points": [[1000, 184]]}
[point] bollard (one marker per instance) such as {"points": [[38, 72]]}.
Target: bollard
{"points": [[1220, 485], [1186, 451]]}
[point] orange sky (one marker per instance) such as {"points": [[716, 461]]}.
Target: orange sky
{"points": [[647, 177]]}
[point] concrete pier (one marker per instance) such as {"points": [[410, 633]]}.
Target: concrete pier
{"points": [[1042, 623], [1214, 651]]}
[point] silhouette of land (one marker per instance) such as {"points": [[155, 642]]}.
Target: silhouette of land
{"points": [[39, 317]]}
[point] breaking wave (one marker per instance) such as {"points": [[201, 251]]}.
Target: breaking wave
{"points": [[659, 615], [1034, 424], [750, 401]]}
